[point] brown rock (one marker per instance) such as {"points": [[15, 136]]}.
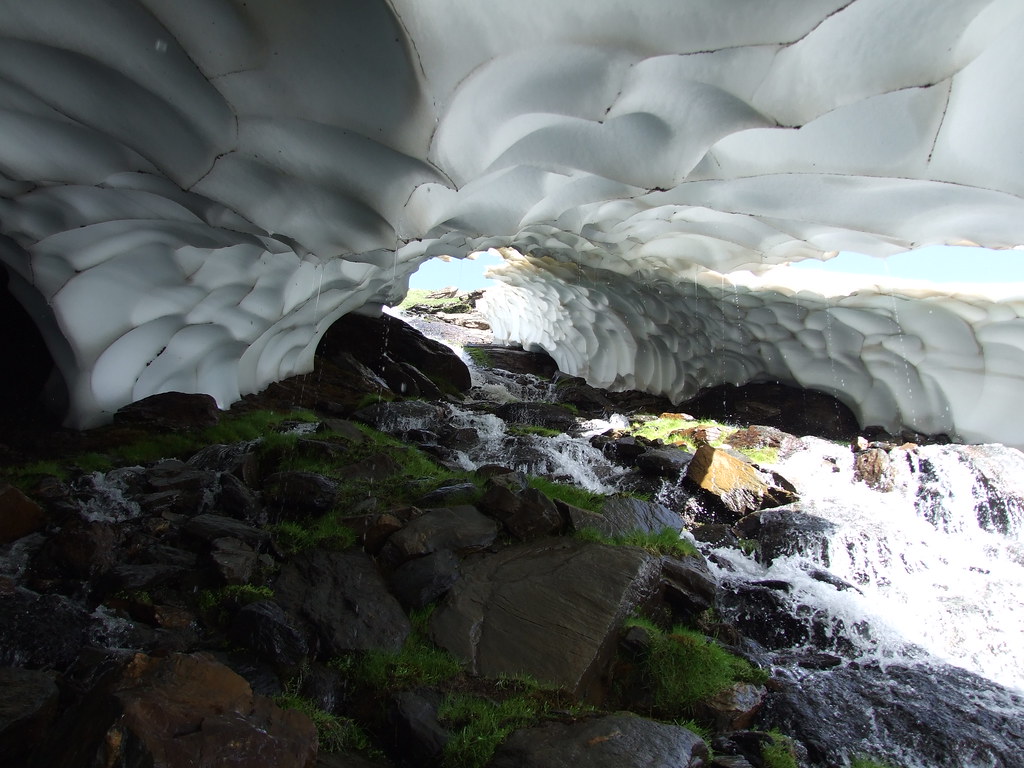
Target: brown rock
{"points": [[739, 486], [19, 515], [183, 710], [873, 467]]}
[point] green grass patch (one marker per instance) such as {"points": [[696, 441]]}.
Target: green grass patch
{"points": [[420, 662], [217, 605], [665, 542], [529, 429], [479, 356], [683, 668], [570, 494], [334, 733], [327, 532], [478, 725], [761, 455], [779, 752]]}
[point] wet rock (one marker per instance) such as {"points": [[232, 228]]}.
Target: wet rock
{"points": [[377, 531], [420, 582], [135, 577], [525, 513], [265, 628], [610, 741], [737, 485], [789, 531], [419, 735], [625, 514], [40, 630], [873, 467], [235, 561], [688, 584], [799, 411], [537, 414], [171, 411], [461, 529], [716, 534], [756, 437], [343, 600], [735, 707], [80, 550], [624, 450], [211, 527], [575, 391], [237, 500], [664, 462], [550, 609], [182, 710], [376, 341], [449, 494], [296, 495], [27, 708], [517, 360], [400, 416], [927, 710], [19, 515]]}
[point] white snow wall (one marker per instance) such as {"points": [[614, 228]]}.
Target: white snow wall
{"points": [[191, 191]]}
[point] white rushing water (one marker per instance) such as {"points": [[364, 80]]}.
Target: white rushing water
{"points": [[932, 568]]}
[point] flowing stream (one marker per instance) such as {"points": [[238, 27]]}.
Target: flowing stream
{"points": [[911, 593]]}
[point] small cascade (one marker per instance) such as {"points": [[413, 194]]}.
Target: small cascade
{"points": [[102, 496], [933, 567], [494, 385], [562, 458]]}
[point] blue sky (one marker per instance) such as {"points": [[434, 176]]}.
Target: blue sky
{"points": [[940, 264]]}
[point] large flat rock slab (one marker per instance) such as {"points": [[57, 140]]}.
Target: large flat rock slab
{"points": [[548, 609]]}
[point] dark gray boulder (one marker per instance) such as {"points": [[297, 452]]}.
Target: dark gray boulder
{"points": [[663, 462], [611, 741], [460, 529], [27, 708], [551, 609], [423, 580], [265, 628], [625, 514], [790, 531], [343, 600]]}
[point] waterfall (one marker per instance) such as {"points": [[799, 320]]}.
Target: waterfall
{"points": [[937, 563]]}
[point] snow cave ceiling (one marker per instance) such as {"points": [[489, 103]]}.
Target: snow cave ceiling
{"points": [[192, 191]]}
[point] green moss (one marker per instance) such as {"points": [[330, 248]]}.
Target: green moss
{"points": [[570, 494], [529, 429], [779, 752], [478, 725], [683, 668], [327, 532], [665, 542], [334, 733], [217, 604], [479, 356], [420, 662], [761, 455]]}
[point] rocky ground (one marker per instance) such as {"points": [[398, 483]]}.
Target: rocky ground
{"points": [[285, 584]]}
